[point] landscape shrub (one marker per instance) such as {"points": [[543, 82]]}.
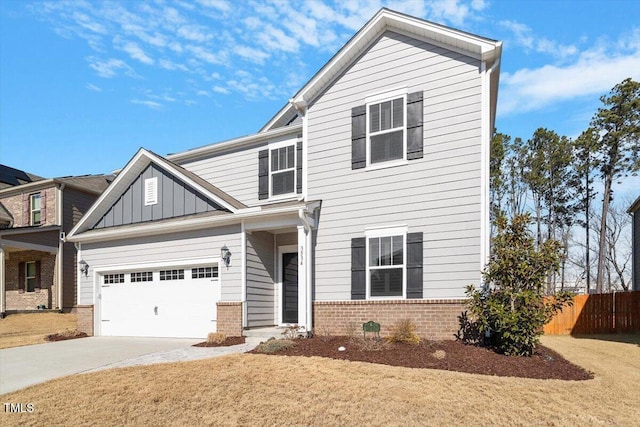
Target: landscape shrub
{"points": [[404, 330], [511, 309], [369, 344], [273, 346], [216, 338]]}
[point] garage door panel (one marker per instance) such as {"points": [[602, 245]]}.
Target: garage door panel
{"points": [[170, 308]]}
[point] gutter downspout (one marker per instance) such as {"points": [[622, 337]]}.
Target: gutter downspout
{"points": [[60, 257], [302, 214]]}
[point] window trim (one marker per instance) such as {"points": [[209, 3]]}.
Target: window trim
{"points": [[386, 232], [275, 146], [32, 211], [27, 277], [379, 99]]}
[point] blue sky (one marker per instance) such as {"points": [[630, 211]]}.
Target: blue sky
{"points": [[84, 84]]}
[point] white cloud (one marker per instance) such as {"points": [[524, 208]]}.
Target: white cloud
{"points": [[196, 33], [203, 93], [276, 39], [170, 65], [525, 37], [222, 90], [151, 104], [137, 53], [251, 54], [108, 69], [203, 54], [221, 5], [593, 74], [93, 87]]}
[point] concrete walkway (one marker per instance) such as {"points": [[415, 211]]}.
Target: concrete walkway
{"points": [[21, 367]]}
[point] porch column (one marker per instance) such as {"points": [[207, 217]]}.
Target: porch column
{"points": [[2, 283], [302, 279]]}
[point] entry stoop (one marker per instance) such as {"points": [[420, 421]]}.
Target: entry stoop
{"points": [[258, 335]]}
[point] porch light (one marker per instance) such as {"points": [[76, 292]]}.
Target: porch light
{"points": [[225, 255], [84, 267]]}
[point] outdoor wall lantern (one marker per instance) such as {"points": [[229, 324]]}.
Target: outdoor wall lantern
{"points": [[225, 255], [84, 267]]}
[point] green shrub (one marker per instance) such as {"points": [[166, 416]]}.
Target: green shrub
{"points": [[404, 331], [512, 309], [273, 346]]}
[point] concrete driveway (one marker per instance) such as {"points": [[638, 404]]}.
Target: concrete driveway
{"points": [[24, 366]]}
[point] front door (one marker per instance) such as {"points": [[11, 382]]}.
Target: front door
{"points": [[290, 288]]}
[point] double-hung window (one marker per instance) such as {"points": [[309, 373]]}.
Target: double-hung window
{"points": [[386, 263], [30, 276], [282, 170], [35, 209], [386, 130]]}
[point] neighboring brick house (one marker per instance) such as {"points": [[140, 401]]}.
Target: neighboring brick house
{"points": [[364, 198], [37, 268]]}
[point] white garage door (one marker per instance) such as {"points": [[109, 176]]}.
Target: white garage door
{"points": [[171, 302]]}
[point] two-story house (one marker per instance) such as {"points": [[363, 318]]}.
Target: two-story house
{"points": [[37, 268], [364, 198]]}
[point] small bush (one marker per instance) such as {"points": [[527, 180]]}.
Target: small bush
{"points": [[351, 329], [291, 332], [273, 346], [322, 333], [216, 338], [369, 344], [404, 331], [70, 333]]}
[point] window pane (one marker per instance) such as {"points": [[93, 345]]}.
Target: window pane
{"points": [[385, 251], [282, 182], [290, 155], [31, 285], [31, 269], [387, 147], [385, 115], [374, 118], [398, 112], [274, 160], [374, 252], [386, 282], [397, 250], [35, 202]]}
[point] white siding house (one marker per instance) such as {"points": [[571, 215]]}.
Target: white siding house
{"points": [[364, 198]]}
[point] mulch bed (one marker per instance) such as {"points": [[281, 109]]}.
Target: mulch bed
{"points": [[459, 357], [63, 337], [227, 342]]}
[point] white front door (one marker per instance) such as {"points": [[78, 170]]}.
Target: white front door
{"points": [[165, 302]]}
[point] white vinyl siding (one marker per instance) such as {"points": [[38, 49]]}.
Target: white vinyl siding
{"points": [[439, 194], [260, 279]]}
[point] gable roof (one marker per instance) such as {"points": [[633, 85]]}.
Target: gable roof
{"points": [[482, 48], [634, 206], [140, 161]]}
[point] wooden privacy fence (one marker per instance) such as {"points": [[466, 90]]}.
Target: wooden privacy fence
{"points": [[598, 314]]}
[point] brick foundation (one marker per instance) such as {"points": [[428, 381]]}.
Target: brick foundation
{"points": [[434, 319], [229, 320], [84, 319]]}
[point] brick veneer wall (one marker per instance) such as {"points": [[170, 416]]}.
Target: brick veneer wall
{"points": [[30, 300], [84, 319], [434, 319], [16, 207], [230, 318]]}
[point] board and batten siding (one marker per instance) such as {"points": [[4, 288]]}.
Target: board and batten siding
{"points": [[439, 195], [260, 279], [184, 246], [174, 199], [235, 171]]}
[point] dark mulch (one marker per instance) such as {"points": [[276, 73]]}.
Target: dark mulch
{"points": [[66, 336], [227, 342], [544, 364]]}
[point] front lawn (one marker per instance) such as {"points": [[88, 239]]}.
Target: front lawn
{"points": [[253, 389], [32, 328]]}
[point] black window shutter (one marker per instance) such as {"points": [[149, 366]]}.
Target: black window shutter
{"points": [[414, 265], [38, 274], [415, 136], [358, 268], [263, 174], [359, 137], [299, 166], [22, 284]]}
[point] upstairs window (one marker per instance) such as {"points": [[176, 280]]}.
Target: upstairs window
{"points": [[35, 209], [386, 130], [282, 171]]}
